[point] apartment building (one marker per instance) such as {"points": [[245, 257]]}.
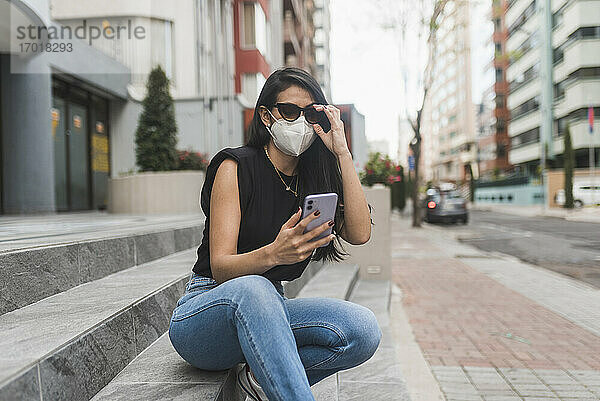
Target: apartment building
{"points": [[575, 36], [193, 41], [68, 119], [322, 24], [493, 141], [448, 150], [55, 115], [298, 34]]}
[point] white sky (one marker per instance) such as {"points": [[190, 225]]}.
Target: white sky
{"points": [[367, 70], [365, 67]]}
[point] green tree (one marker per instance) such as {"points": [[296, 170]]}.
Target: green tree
{"points": [[569, 164], [156, 134]]}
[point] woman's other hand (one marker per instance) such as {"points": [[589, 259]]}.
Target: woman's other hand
{"points": [[292, 244], [335, 139]]}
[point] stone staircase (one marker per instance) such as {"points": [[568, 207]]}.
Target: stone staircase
{"points": [[75, 313], [89, 320]]}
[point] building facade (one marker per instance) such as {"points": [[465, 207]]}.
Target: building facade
{"points": [[322, 24], [68, 119], [298, 34], [55, 116], [493, 142], [575, 34], [449, 149], [193, 41]]}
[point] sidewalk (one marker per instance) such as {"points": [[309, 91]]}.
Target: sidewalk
{"points": [[490, 327], [585, 214]]}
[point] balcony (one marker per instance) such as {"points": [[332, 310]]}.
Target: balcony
{"points": [[290, 37]]}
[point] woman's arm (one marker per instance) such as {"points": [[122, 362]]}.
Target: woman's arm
{"points": [[290, 246], [357, 219]]}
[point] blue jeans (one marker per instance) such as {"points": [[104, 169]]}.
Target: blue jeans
{"points": [[290, 344]]}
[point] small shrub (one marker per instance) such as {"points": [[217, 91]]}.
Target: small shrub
{"points": [[380, 170], [188, 160]]}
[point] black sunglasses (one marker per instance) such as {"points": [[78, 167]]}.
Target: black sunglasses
{"points": [[291, 112]]}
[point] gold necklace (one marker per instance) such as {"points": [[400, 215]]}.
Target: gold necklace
{"points": [[287, 187]]}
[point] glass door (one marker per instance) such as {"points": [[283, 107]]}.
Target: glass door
{"points": [[59, 136], [99, 152], [80, 136], [78, 157]]}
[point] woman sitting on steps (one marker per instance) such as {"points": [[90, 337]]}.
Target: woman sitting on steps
{"points": [[234, 310]]}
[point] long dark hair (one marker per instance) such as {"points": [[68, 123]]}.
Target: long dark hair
{"points": [[318, 170]]}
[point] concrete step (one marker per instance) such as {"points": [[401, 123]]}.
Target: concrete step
{"points": [[70, 345], [46, 266], [380, 378], [335, 280], [159, 373]]}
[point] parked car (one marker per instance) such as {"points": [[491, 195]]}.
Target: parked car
{"points": [[445, 206], [583, 194]]}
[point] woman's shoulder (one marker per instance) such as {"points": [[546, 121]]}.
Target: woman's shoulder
{"points": [[244, 156], [239, 154]]}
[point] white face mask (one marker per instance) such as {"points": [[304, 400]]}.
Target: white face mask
{"points": [[292, 138]]}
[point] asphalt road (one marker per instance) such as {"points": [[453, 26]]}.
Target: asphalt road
{"points": [[571, 248]]}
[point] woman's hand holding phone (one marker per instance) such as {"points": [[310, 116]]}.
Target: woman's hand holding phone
{"points": [[292, 244]]}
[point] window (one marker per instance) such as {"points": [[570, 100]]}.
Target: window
{"points": [[319, 36], [522, 19], [586, 32], [499, 101], [249, 31], [528, 44], [255, 27], [500, 125], [557, 18], [528, 75], [559, 89], [525, 107], [497, 24], [526, 138], [578, 115], [499, 74]]}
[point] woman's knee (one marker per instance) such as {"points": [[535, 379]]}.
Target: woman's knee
{"points": [[253, 289], [364, 335]]}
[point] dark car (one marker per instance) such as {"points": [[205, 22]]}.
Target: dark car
{"points": [[445, 206]]}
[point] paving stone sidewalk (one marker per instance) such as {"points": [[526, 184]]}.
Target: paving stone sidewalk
{"points": [[484, 333]]}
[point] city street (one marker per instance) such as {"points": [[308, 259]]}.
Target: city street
{"points": [[571, 248], [489, 326]]}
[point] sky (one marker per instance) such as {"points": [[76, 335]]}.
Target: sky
{"points": [[371, 68], [365, 66]]}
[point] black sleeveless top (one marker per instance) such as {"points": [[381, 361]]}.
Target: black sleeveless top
{"points": [[265, 205]]}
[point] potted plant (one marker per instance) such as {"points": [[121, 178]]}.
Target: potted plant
{"points": [[380, 169], [168, 181]]}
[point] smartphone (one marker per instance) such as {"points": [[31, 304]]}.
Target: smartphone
{"points": [[326, 204]]}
